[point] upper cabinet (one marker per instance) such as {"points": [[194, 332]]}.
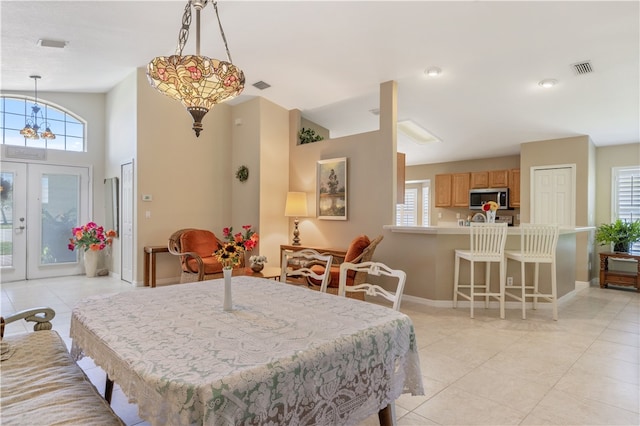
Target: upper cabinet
{"points": [[499, 179], [490, 179], [460, 195], [479, 180], [443, 191], [514, 188], [401, 161]]}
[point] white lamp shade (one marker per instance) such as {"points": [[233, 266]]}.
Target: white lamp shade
{"points": [[296, 204]]}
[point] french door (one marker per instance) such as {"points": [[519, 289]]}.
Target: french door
{"points": [[40, 205]]}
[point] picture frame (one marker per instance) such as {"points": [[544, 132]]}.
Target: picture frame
{"points": [[331, 189]]}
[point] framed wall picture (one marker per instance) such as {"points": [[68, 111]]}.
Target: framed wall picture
{"points": [[332, 189]]}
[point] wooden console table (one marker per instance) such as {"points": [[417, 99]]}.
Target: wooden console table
{"points": [[338, 254], [628, 279], [150, 263]]}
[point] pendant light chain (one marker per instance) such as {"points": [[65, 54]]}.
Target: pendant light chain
{"points": [[183, 34], [224, 38]]}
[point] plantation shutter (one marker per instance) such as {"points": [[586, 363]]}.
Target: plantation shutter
{"points": [[425, 205], [627, 196], [407, 213]]}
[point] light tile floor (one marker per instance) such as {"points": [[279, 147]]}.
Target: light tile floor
{"points": [[580, 370]]}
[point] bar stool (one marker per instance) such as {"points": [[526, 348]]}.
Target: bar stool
{"points": [[537, 245], [487, 245]]}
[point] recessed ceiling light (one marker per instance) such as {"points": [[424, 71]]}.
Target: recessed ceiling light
{"points": [[433, 72], [548, 83]]}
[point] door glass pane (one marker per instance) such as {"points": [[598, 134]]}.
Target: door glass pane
{"points": [[6, 218], [60, 199]]}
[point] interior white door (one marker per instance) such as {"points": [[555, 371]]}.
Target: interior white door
{"points": [[553, 196], [126, 228], [13, 221]]}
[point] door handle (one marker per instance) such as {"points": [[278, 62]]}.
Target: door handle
{"points": [[21, 227]]}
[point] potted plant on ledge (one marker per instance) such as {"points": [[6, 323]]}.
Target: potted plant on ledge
{"points": [[620, 233]]}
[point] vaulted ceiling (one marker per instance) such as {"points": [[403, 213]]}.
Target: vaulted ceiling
{"points": [[328, 59]]}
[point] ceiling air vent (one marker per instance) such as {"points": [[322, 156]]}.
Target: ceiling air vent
{"points": [[261, 85], [582, 68]]}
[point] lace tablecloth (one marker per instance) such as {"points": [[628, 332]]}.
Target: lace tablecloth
{"points": [[284, 355]]}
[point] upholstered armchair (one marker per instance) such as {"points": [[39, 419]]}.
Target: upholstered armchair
{"points": [[361, 249], [195, 248]]}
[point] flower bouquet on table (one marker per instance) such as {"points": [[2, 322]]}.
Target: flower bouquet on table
{"points": [[90, 237], [230, 254], [490, 208], [247, 241]]}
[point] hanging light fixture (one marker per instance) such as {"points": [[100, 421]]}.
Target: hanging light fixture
{"points": [[31, 127], [197, 81]]}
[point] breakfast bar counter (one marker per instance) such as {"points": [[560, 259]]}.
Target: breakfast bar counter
{"points": [[433, 249]]}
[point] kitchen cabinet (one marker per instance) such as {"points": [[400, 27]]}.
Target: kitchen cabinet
{"points": [[479, 180], [489, 179], [499, 179], [443, 190], [460, 190], [401, 161], [514, 188]]}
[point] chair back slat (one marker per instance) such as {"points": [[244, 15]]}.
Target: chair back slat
{"points": [[538, 240], [298, 264], [488, 239], [373, 269]]}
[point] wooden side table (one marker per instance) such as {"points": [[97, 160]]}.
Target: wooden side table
{"points": [[629, 279], [150, 263], [338, 254]]}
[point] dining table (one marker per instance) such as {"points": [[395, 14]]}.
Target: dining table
{"points": [[282, 355]]}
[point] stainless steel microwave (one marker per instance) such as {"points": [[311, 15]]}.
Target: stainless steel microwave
{"points": [[478, 197]]}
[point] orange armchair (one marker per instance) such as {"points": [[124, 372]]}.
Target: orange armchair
{"points": [[195, 248]]}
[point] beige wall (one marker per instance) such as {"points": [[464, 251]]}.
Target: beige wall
{"points": [[575, 150], [371, 168], [189, 177], [261, 142]]}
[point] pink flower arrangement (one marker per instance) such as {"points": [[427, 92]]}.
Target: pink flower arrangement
{"points": [[247, 241], [90, 237]]}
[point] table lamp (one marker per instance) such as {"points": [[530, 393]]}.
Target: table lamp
{"points": [[296, 207]]}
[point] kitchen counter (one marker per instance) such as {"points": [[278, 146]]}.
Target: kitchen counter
{"points": [[429, 252], [464, 230]]}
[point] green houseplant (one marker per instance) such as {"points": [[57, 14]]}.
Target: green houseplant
{"points": [[619, 233], [308, 136]]}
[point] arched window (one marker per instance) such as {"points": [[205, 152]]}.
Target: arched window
{"points": [[68, 128]]}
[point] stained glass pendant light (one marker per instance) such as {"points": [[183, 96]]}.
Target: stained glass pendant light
{"points": [[197, 81], [31, 127]]}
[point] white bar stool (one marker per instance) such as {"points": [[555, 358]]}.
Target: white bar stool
{"points": [[537, 245], [487, 245]]}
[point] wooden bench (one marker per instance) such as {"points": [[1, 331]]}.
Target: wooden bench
{"points": [[40, 384]]}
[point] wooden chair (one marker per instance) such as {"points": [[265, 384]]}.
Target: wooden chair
{"points": [[372, 269], [487, 241], [360, 250], [537, 245], [296, 267], [195, 248]]}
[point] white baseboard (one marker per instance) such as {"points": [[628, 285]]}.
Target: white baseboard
{"points": [[493, 304]]}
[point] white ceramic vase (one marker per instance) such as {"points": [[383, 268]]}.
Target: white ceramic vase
{"points": [[227, 304], [91, 258]]}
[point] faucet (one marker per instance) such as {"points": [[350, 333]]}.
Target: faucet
{"points": [[479, 217]]}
